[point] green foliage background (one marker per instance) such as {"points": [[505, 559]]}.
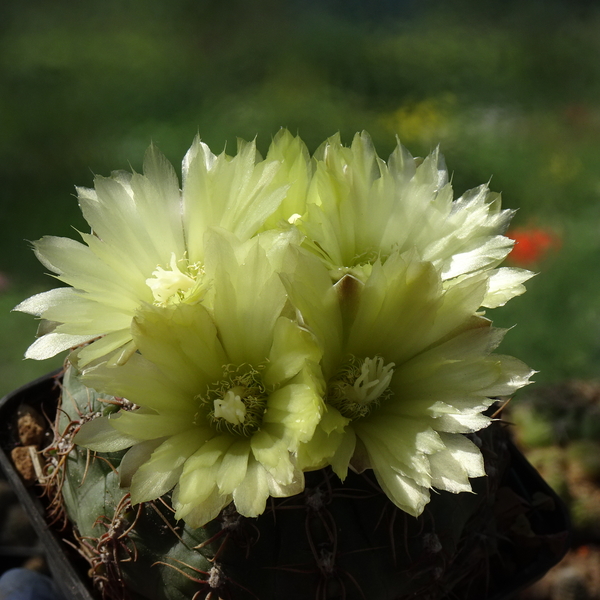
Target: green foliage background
{"points": [[510, 89]]}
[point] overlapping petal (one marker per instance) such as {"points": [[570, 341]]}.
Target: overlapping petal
{"points": [[280, 315]]}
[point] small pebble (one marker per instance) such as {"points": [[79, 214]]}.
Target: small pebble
{"points": [[21, 458], [31, 426]]}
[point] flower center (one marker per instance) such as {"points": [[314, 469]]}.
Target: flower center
{"points": [[237, 403], [360, 385], [172, 285]]}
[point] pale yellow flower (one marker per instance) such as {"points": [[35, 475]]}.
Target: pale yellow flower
{"points": [[226, 396], [280, 315], [362, 209], [147, 245], [409, 370]]}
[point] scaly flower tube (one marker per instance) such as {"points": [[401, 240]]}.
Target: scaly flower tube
{"points": [[146, 244], [409, 370], [225, 396]]}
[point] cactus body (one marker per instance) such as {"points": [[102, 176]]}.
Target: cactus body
{"points": [[334, 541]]}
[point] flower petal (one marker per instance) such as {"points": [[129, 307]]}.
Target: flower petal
{"points": [[197, 514], [452, 467], [163, 469], [52, 344], [504, 284], [143, 383], [182, 342], [134, 458], [251, 495], [233, 466], [292, 348], [150, 426]]}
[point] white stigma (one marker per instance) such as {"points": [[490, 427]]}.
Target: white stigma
{"points": [[372, 382], [231, 407], [165, 284]]}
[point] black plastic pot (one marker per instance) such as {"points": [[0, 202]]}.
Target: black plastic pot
{"points": [[547, 519], [18, 541]]}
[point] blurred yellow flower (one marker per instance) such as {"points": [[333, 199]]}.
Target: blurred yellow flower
{"points": [[426, 121]]}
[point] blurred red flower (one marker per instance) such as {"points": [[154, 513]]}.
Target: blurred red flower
{"points": [[532, 244]]}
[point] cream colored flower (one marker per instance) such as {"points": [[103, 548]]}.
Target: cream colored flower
{"points": [[285, 314], [226, 396], [361, 209], [409, 370], [147, 245]]}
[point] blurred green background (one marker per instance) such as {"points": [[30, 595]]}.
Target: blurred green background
{"points": [[510, 89]]}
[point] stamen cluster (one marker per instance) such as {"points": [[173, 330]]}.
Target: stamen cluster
{"points": [[238, 402], [360, 386]]}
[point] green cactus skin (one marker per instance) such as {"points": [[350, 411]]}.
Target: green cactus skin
{"points": [[333, 542]]}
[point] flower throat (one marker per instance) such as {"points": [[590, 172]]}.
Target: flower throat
{"points": [[360, 386], [237, 403]]}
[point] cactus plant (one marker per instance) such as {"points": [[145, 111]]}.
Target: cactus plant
{"points": [[273, 368], [332, 541]]}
